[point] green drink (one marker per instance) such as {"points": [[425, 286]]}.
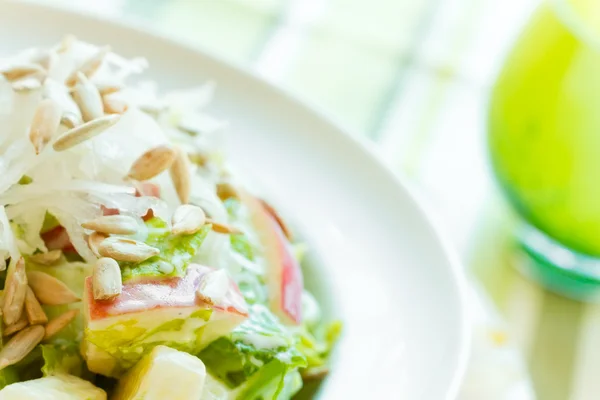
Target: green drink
{"points": [[544, 137]]}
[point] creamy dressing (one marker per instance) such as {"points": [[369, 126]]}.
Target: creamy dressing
{"points": [[261, 341]]}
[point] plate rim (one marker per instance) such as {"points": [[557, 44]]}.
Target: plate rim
{"points": [[458, 272]]}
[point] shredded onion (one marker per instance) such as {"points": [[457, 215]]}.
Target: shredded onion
{"points": [[77, 184]]}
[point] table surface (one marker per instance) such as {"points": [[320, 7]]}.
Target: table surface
{"points": [[413, 76]]}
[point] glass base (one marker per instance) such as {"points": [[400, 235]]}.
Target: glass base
{"points": [[558, 268]]}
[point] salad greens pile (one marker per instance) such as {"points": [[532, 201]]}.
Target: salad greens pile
{"points": [[133, 264]]}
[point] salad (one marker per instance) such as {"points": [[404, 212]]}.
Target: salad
{"points": [[134, 264]]}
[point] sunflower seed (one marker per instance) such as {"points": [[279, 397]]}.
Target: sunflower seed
{"points": [[48, 258], [94, 241], [34, 310], [47, 59], [45, 124], [226, 191], [20, 345], [115, 224], [15, 72], [200, 159], [106, 279], [66, 44], [59, 323], [213, 287], [180, 175], [154, 109], [89, 67], [105, 90], [85, 132], [152, 163], [88, 98], [50, 290], [129, 250], [70, 120], [187, 219], [26, 84], [223, 228], [21, 323], [204, 299], [113, 106], [16, 288]]}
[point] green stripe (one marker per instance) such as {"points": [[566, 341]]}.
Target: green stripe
{"points": [[554, 353]]}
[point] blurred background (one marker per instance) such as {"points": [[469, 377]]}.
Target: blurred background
{"points": [[416, 78]]}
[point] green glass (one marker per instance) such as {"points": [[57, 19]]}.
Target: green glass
{"points": [[544, 139]]}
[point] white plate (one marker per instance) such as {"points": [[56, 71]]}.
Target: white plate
{"points": [[386, 269]]}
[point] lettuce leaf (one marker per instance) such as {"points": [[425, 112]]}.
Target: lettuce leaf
{"points": [[127, 341], [46, 360], [256, 357], [239, 243], [26, 369], [316, 345], [8, 375], [176, 252], [63, 358], [274, 381]]}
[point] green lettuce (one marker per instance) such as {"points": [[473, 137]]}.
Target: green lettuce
{"points": [[50, 222], [256, 357], [63, 358], [176, 252], [8, 375], [239, 243], [28, 368], [316, 345], [46, 360], [274, 381], [127, 342]]}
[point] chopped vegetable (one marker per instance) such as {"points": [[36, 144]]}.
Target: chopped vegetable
{"points": [[176, 252], [258, 353], [164, 373], [130, 258], [57, 387], [156, 312]]}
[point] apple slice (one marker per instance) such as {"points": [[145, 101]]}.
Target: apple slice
{"points": [[58, 239], [155, 311], [284, 276], [59, 387], [164, 373]]}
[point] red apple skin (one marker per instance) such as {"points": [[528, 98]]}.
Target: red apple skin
{"points": [[284, 275], [153, 293], [273, 212], [292, 281], [147, 189], [58, 239]]}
